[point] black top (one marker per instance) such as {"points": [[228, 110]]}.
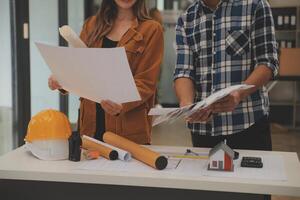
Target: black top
{"points": [[100, 114], [108, 43]]}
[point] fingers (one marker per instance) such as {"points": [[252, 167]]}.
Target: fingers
{"points": [[225, 99], [113, 104], [200, 116], [195, 115], [111, 107], [223, 107], [227, 104], [53, 83], [107, 108]]}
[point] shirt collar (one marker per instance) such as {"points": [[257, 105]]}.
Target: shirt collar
{"points": [[203, 4], [220, 0]]}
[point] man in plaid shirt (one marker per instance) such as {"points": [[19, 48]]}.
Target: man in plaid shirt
{"points": [[222, 43]]}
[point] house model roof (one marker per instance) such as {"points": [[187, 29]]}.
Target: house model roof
{"points": [[224, 147]]}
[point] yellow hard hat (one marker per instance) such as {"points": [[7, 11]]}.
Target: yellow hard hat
{"points": [[48, 125]]}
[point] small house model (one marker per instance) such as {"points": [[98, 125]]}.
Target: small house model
{"points": [[221, 158]]}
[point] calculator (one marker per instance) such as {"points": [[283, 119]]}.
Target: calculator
{"points": [[253, 162]]}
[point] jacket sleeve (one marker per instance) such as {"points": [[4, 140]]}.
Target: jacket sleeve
{"points": [[147, 73], [87, 26]]}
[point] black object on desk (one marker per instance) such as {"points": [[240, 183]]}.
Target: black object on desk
{"points": [[190, 152], [253, 162], [75, 143], [236, 155]]}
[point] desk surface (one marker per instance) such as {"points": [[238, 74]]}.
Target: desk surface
{"points": [[21, 165]]}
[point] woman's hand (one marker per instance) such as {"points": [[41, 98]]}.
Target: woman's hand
{"points": [[111, 108], [53, 83]]}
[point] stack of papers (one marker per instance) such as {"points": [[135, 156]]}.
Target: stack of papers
{"points": [[171, 114]]}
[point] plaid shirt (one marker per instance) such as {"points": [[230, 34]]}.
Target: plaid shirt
{"points": [[219, 48]]}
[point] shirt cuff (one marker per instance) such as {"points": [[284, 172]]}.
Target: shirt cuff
{"points": [[183, 74], [271, 66]]}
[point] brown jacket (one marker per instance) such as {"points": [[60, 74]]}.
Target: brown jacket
{"points": [[144, 48]]}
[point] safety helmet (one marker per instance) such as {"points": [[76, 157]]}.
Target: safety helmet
{"points": [[47, 135]]}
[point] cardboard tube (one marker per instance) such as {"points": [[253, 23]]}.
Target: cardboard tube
{"points": [[140, 153], [122, 155], [104, 151]]}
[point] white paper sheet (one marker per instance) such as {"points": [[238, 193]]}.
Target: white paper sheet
{"points": [[122, 154], [161, 111], [273, 168], [93, 73], [121, 166], [116, 165], [171, 114]]}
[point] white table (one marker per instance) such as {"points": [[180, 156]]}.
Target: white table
{"points": [[20, 165]]}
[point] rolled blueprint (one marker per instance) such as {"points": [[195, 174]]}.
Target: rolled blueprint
{"points": [[71, 37], [122, 155], [140, 153], [104, 151]]}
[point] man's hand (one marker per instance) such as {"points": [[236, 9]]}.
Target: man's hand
{"points": [[111, 108], [228, 103], [203, 115], [185, 92]]}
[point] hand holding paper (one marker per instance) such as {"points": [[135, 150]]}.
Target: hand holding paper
{"points": [[163, 115], [201, 115], [53, 83], [228, 103], [111, 108], [93, 73]]}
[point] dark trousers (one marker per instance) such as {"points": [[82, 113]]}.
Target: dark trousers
{"points": [[256, 137]]}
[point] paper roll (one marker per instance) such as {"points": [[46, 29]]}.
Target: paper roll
{"points": [[108, 153], [140, 153], [122, 155], [71, 37]]}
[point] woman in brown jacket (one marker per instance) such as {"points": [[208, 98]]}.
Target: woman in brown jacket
{"points": [[123, 23]]}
